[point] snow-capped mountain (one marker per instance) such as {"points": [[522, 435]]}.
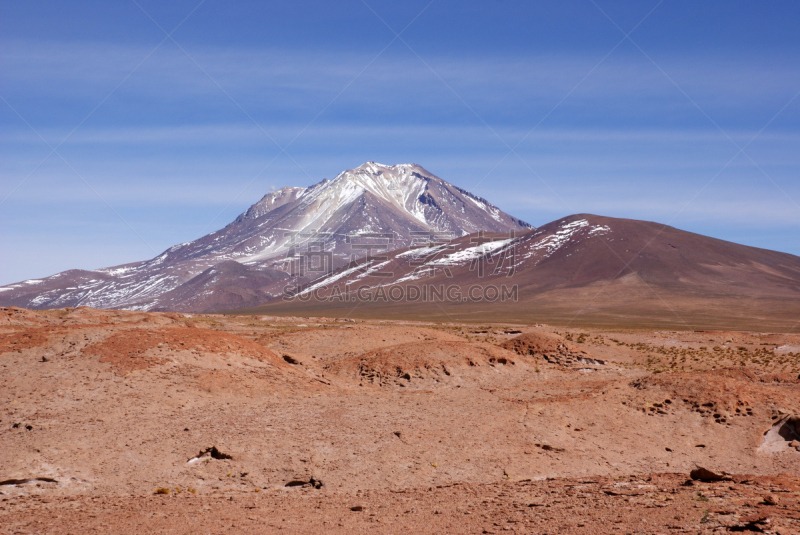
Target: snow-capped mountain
{"points": [[336, 218]]}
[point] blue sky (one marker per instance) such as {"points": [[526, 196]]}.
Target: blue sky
{"points": [[544, 108]]}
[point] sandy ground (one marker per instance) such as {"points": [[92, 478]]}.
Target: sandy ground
{"points": [[132, 422]]}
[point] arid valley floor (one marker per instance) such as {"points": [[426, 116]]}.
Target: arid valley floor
{"points": [[123, 422]]}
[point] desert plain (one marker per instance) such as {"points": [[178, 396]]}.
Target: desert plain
{"points": [[132, 422]]}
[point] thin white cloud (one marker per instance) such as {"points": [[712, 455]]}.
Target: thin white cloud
{"points": [[294, 75], [225, 133]]}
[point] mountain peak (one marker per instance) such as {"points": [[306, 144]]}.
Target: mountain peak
{"points": [[374, 168]]}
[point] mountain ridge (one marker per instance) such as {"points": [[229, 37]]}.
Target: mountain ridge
{"points": [[403, 200], [584, 268]]}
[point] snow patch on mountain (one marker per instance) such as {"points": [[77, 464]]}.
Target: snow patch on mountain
{"points": [[470, 253]]}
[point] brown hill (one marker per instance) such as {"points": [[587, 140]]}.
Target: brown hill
{"points": [[582, 269]]}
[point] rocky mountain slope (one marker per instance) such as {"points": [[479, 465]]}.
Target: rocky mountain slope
{"points": [[580, 266], [402, 203]]}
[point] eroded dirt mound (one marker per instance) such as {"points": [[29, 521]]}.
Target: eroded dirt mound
{"points": [[87, 315], [535, 343], [13, 316], [405, 364], [721, 394], [20, 340], [131, 349], [352, 340], [550, 347]]}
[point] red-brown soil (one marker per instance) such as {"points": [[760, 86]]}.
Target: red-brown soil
{"points": [[653, 503], [263, 424], [25, 339], [126, 350], [722, 394], [428, 364]]}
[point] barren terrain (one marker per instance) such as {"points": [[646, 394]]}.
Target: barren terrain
{"points": [[117, 421]]}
